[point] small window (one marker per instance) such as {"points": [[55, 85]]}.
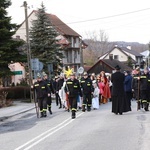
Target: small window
{"points": [[111, 56], [116, 57]]}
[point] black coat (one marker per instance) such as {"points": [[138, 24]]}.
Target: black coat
{"points": [[117, 80], [119, 103]]}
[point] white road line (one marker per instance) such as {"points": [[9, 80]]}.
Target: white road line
{"points": [[46, 134]]}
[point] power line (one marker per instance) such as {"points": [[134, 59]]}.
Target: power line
{"points": [[110, 16]]}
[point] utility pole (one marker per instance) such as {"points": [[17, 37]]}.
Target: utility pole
{"points": [[81, 54], [28, 47], [148, 55]]}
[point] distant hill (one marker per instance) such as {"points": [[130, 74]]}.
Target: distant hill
{"points": [[106, 46]]}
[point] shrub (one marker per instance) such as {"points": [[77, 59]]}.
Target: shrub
{"points": [[8, 94]]}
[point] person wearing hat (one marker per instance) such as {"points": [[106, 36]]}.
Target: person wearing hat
{"points": [[87, 90], [72, 88], [42, 91], [50, 85], [118, 94]]}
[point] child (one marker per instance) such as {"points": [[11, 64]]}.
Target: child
{"points": [[95, 99]]}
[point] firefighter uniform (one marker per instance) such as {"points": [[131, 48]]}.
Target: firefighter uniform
{"points": [[87, 90], [136, 86], [148, 90], [51, 90], [41, 90], [72, 88], [141, 89]]}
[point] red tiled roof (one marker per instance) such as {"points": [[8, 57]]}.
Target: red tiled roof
{"points": [[61, 27]]}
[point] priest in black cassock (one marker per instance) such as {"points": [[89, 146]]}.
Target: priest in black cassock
{"points": [[119, 104]]}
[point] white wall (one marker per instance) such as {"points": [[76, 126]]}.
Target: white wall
{"points": [[17, 67], [121, 56]]}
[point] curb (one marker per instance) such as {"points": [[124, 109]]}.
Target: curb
{"points": [[21, 112]]}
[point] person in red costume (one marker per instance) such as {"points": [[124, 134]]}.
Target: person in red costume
{"points": [[104, 88]]}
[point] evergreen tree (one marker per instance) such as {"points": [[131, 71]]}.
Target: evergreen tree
{"points": [[44, 45], [9, 48], [129, 61]]}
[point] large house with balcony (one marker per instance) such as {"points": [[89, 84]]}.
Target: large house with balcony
{"points": [[68, 38]]}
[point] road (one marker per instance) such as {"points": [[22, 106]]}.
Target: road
{"points": [[95, 130]]}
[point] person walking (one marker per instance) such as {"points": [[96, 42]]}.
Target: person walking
{"points": [[60, 88], [136, 86], [42, 92], [118, 94], [58, 100], [72, 88], [144, 90], [87, 90], [104, 88], [95, 99], [128, 88], [50, 85]]}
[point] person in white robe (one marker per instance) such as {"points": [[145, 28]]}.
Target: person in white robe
{"points": [[95, 99]]}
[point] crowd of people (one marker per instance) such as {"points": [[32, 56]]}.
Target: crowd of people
{"points": [[88, 92]]}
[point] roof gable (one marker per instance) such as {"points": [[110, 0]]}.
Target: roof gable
{"points": [[110, 64], [124, 50], [59, 25]]}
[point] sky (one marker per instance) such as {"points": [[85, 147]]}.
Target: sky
{"points": [[121, 20]]}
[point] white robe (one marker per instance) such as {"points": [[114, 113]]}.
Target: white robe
{"points": [[95, 99]]}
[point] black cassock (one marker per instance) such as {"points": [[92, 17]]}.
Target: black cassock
{"points": [[119, 104]]}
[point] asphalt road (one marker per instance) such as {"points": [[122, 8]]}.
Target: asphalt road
{"points": [[95, 130]]}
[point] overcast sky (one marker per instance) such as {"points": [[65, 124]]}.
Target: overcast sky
{"points": [[122, 20]]}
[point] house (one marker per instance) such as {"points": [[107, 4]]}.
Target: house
{"points": [[107, 65], [67, 37], [122, 54], [19, 72]]}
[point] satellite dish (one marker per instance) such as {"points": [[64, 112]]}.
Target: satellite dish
{"points": [[80, 70]]}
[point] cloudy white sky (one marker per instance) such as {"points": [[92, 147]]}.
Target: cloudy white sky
{"points": [[122, 20]]}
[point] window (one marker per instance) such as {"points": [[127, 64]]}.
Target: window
{"points": [[111, 56], [116, 57]]}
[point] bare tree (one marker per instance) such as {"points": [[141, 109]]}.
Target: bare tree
{"points": [[97, 45]]}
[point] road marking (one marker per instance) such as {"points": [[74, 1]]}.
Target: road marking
{"points": [[46, 134]]}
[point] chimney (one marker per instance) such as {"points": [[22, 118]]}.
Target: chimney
{"points": [[129, 47]]}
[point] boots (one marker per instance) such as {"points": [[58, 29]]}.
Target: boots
{"points": [[88, 108], [50, 111], [83, 108], [60, 106], [139, 105], [42, 115], [146, 106], [73, 114]]}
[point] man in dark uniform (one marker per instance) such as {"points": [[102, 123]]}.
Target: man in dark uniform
{"points": [[50, 85], [136, 85], [42, 91], [144, 89], [118, 94], [87, 90], [72, 88]]}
